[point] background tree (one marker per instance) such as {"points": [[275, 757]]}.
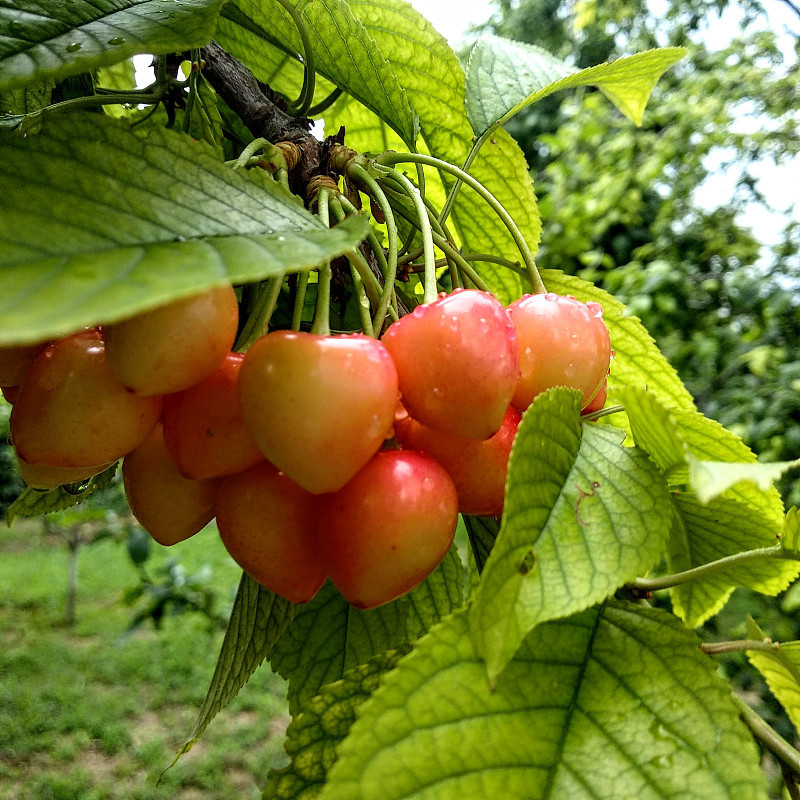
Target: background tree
{"points": [[627, 207]]}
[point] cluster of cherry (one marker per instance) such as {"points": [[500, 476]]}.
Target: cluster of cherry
{"points": [[286, 445]]}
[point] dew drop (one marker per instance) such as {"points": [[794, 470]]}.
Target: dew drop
{"points": [[117, 40], [73, 47], [595, 308], [551, 297]]}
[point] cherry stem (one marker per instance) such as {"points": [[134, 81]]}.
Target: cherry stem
{"points": [[363, 301], [322, 311], [430, 291], [258, 322], [301, 106], [299, 300], [453, 193], [712, 567], [390, 158]]}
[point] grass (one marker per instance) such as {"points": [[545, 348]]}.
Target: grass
{"points": [[88, 713]]}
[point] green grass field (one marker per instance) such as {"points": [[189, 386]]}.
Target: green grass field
{"points": [[89, 713]]}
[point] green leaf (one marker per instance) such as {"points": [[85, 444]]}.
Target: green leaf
{"points": [[674, 437], [583, 515], [790, 533], [100, 224], [313, 737], [35, 502], [50, 39], [709, 479], [504, 76], [344, 52], [258, 620], [702, 533], [780, 667], [434, 83], [330, 637], [618, 703], [637, 360]]}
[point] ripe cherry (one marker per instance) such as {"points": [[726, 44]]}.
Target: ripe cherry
{"points": [[389, 527], [458, 363], [15, 361], [319, 407], [40, 476], [72, 412], [478, 468], [204, 428], [169, 507], [175, 346], [562, 342], [268, 525], [598, 401]]}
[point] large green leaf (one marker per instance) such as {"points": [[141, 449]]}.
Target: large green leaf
{"points": [[702, 533], [780, 667], [314, 735], [330, 637], [344, 53], [50, 39], [434, 82], [583, 515], [504, 76], [618, 703], [100, 224], [258, 620]]}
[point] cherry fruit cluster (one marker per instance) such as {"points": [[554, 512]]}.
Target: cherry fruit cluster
{"points": [[341, 457]]}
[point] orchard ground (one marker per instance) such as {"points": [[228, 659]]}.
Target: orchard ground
{"points": [[92, 714]]}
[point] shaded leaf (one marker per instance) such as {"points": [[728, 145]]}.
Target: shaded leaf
{"points": [[482, 532], [504, 76], [258, 620], [702, 533], [50, 39], [101, 224], [583, 515], [618, 703], [35, 502], [313, 737], [330, 637]]}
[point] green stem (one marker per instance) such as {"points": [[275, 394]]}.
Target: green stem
{"points": [[258, 321], [299, 300], [363, 301], [603, 412], [718, 648], [325, 103], [306, 98], [322, 311], [92, 101], [390, 158], [770, 738], [704, 570], [429, 257], [451, 197]]}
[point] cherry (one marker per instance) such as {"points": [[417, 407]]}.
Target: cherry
{"points": [[15, 361], [319, 407], [268, 525], [389, 527], [478, 468], [175, 346], [562, 342], [204, 428], [169, 507], [41, 476], [72, 412], [598, 401], [458, 363]]}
